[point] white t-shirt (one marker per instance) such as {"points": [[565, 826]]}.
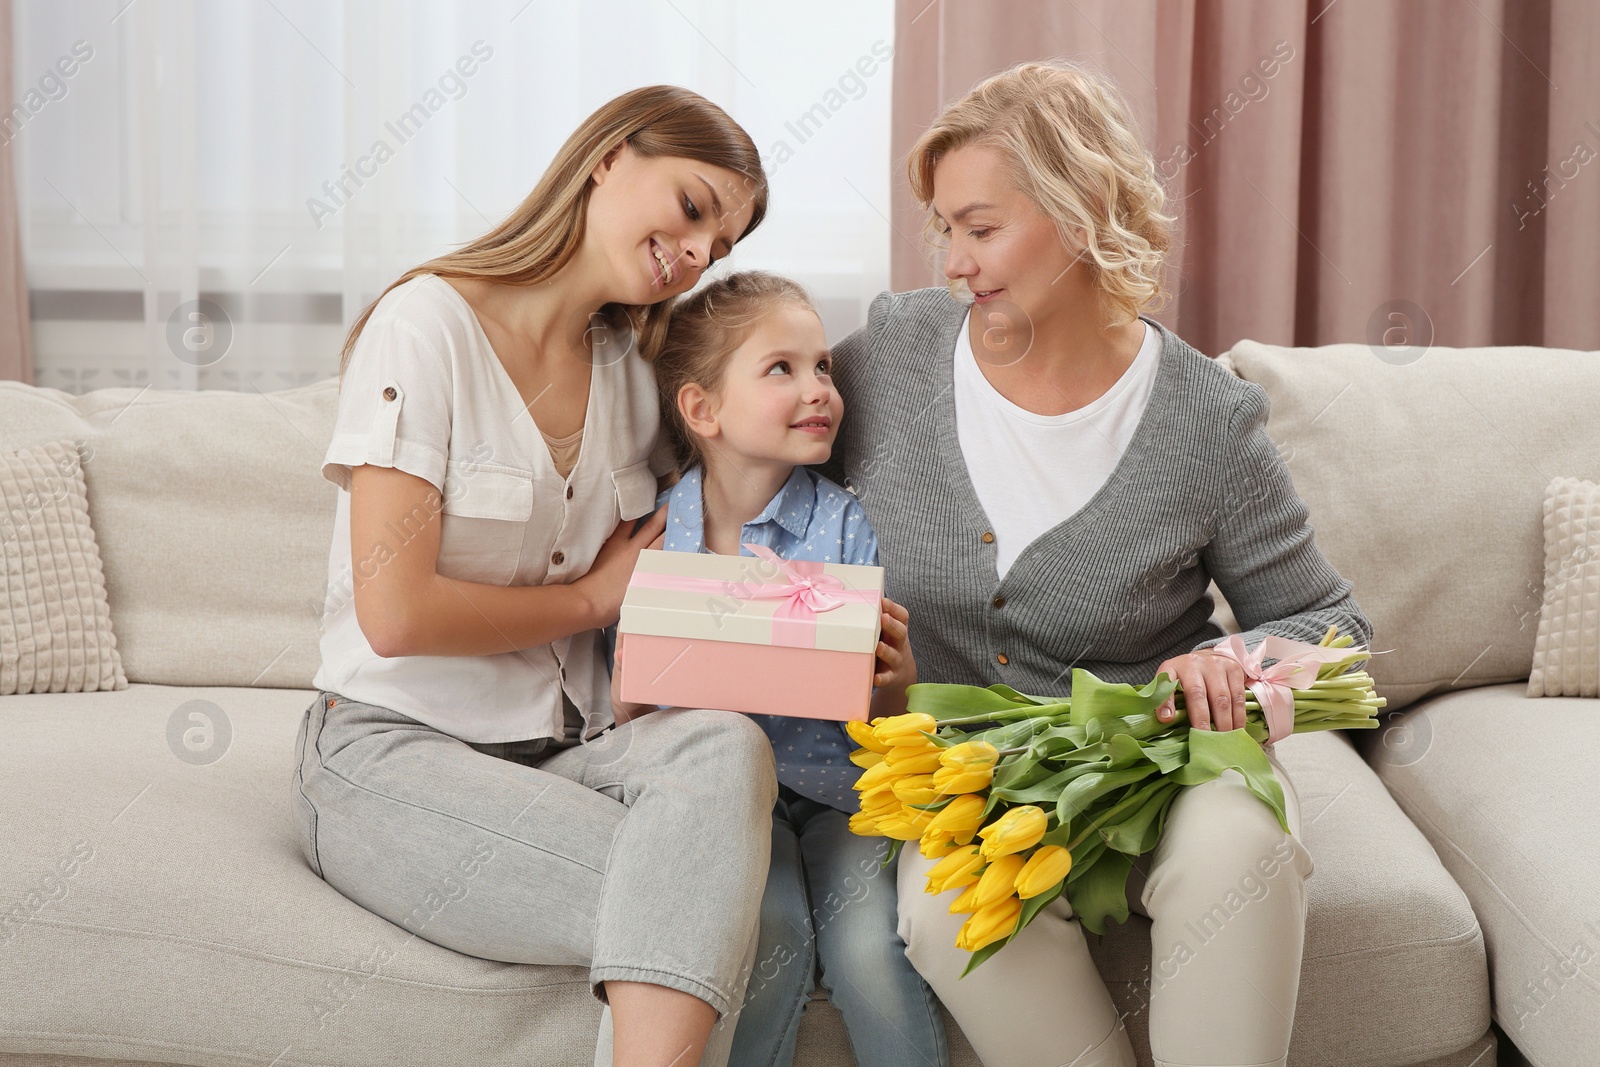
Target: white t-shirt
{"points": [[425, 393], [1033, 472]]}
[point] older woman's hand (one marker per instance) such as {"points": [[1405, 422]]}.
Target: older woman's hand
{"points": [[1213, 690]]}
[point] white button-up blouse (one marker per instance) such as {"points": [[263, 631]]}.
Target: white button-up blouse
{"points": [[424, 392]]}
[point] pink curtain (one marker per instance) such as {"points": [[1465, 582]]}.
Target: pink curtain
{"points": [[1332, 161], [16, 343]]}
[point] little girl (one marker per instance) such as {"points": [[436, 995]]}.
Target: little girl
{"points": [[749, 402]]}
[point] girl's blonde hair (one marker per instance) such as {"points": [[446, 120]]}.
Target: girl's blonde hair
{"points": [[544, 232], [1072, 149], [706, 328]]}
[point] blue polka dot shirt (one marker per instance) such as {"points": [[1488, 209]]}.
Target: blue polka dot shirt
{"points": [[811, 518]]}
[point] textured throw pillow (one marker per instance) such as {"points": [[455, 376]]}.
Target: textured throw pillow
{"points": [[1566, 654], [55, 623]]}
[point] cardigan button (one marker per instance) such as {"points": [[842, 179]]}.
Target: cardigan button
{"points": [[1001, 656], [999, 602], [558, 557], [389, 393], [988, 538], [569, 492]]}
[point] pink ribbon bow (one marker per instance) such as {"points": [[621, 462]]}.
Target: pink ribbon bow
{"points": [[807, 590], [1297, 666]]}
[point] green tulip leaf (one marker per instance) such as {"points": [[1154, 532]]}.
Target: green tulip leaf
{"points": [[1094, 699], [1168, 753], [944, 701], [1021, 770], [1085, 856], [1126, 751], [1081, 791], [1211, 752], [1138, 832], [1046, 790], [1102, 893]]}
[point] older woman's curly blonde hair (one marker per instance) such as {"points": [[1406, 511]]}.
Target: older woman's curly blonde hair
{"points": [[1074, 152]]}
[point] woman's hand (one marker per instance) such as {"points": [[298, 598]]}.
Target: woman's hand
{"points": [[606, 581], [1213, 690], [896, 669]]}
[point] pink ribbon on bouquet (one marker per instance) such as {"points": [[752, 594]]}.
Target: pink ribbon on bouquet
{"points": [[808, 590], [1297, 666]]}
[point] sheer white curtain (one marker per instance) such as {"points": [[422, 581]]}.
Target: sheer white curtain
{"points": [[211, 191]]}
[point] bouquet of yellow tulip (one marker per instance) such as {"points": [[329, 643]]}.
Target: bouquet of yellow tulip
{"points": [[1024, 798]]}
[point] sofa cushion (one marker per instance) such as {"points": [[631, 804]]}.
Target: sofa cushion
{"points": [[1426, 485], [1566, 656], [1393, 970], [55, 634], [1503, 785], [212, 518]]}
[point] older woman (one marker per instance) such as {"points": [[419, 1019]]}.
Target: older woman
{"points": [[1055, 480]]}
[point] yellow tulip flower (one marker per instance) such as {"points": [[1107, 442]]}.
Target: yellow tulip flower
{"points": [[1043, 871], [883, 809], [905, 729], [862, 735], [989, 924], [876, 775], [998, 880], [916, 789], [967, 767], [970, 755], [865, 758], [956, 871], [907, 826], [967, 902], [959, 819], [1016, 830], [908, 759], [865, 824], [936, 846]]}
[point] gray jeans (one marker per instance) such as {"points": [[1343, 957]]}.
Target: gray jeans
{"points": [[641, 855]]}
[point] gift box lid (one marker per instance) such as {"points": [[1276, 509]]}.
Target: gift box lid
{"points": [[754, 600]]}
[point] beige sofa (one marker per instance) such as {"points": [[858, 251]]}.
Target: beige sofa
{"points": [[192, 931]]}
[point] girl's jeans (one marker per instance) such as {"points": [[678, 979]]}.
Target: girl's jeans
{"points": [[829, 896], [640, 855]]}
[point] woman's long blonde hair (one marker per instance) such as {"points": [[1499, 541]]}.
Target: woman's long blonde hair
{"points": [[1072, 149], [544, 232]]}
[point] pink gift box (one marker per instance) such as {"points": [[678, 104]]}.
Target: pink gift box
{"points": [[750, 633]]}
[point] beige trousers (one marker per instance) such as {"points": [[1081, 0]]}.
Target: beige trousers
{"points": [[1225, 893]]}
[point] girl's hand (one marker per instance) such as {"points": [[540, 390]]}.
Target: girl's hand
{"points": [[896, 669], [606, 581], [1213, 690]]}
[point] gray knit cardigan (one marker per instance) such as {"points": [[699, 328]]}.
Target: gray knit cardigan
{"points": [[1201, 493]]}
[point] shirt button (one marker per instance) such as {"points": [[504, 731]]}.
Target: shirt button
{"points": [[389, 393], [569, 492], [988, 538], [558, 557], [1001, 656], [999, 602]]}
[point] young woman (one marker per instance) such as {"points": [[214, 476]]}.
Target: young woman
{"points": [[1054, 482], [493, 445]]}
